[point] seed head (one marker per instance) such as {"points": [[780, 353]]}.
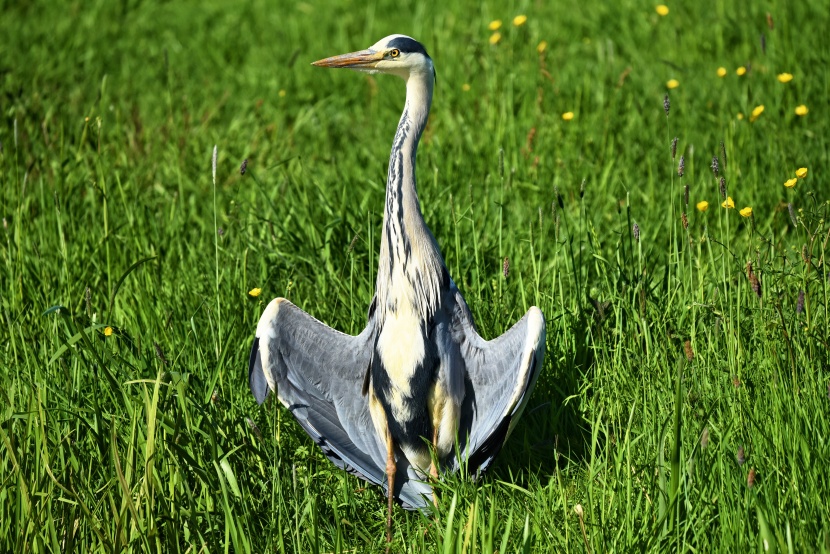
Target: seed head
{"points": [[673, 147], [799, 307], [736, 382], [244, 167], [791, 209], [635, 230], [687, 347], [220, 232], [722, 188], [505, 267], [723, 153], [685, 219], [582, 189], [354, 241], [770, 23], [253, 427], [686, 195], [681, 167], [805, 255], [160, 353], [750, 478], [704, 438], [715, 167], [741, 456], [213, 162], [666, 105], [558, 198]]}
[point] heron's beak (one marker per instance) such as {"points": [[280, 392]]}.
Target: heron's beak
{"points": [[362, 59]]}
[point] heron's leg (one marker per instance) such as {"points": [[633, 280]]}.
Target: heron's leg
{"points": [[391, 469], [433, 468]]}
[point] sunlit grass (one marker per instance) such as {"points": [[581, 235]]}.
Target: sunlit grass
{"points": [[683, 402]]}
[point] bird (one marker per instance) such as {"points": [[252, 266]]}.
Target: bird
{"points": [[418, 392]]}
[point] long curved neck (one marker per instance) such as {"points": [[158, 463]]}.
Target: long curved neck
{"points": [[411, 267]]}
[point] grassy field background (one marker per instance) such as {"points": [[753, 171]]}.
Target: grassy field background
{"points": [[684, 401]]}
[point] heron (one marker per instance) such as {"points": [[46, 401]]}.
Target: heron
{"points": [[418, 392]]}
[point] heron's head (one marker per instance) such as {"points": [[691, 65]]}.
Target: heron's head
{"points": [[396, 54]]}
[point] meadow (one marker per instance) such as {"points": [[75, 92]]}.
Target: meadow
{"points": [[685, 396]]}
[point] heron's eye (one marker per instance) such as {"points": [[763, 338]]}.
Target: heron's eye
{"points": [[395, 53]]}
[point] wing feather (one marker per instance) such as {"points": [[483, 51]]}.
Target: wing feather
{"points": [[500, 375]]}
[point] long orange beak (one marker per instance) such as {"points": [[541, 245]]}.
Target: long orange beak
{"points": [[360, 59]]}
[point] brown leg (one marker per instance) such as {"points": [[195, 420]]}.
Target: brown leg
{"points": [[433, 469], [391, 468]]}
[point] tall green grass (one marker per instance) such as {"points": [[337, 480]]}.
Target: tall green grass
{"points": [[681, 407]]}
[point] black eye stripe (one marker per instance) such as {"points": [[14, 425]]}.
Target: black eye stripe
{"points": [[407, 45]]}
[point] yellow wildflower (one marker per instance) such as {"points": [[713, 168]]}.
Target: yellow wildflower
{"points": [[801, 172], [801, 110], [495, 38], [740, 71], [255, 292], [495, 25], [740, 115], [662, 9], [756, 112], [702, 206], [785, 77], [542, 46], [672, 83], [790, 183], [567, 116], [721, 72], [465, 87], [282, 93], [746, 212], [519, 20], [728, 203], [107, 331]]}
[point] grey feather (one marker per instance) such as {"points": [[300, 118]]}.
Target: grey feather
{"points": [[499, 376]]}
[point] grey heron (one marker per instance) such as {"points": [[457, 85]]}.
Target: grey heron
{"points": [[390, 404]]}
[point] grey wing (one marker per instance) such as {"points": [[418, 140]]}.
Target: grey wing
{"points": [[318, 373], [500, 375]]}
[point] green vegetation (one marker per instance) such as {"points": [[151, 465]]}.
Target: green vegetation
{"points": [[678, 409]]}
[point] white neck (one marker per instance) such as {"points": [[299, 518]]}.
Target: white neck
{"points": [[411, 269]]}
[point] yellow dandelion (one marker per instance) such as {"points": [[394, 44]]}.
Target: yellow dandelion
{"points": [[801, 172], [495, 38], [746, 212], [790, 183], [567, 116], [756, 112], [542, 46], [662, 9], [495, 25], [519, 20], [721, 72], [107, 331], [702, 206], [255, 292], [728, 203], [465, 87], [672, 83], [740, 71], [801, 110], [785, 77]]}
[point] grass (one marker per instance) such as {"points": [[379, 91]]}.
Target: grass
{"points": [[678, 409]]}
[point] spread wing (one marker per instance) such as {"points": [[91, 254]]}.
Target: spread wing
{"points": [[500, 375], [318, 373]]}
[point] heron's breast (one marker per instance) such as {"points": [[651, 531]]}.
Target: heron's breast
{"points": [[402, 349]]}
